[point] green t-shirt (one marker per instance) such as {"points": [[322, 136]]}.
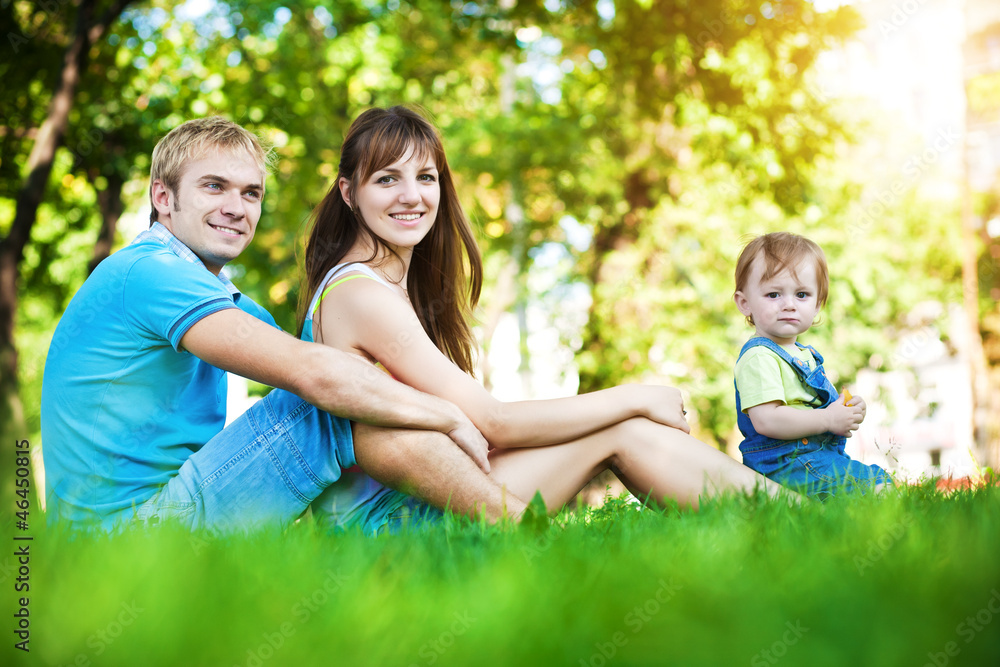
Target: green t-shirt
{"points": [[762, 376]]}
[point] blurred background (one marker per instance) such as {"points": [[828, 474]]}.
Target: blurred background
{"points": [[614, 156]]}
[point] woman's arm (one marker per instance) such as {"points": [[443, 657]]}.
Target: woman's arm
{"points": [[366, 318], [783, 422]]}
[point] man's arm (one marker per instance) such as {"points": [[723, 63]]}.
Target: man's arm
{"points": [[334, 381]]}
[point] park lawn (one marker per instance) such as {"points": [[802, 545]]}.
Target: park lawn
{"points": [[908, 579]]}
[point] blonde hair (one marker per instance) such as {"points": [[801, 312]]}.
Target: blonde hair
{"points": [[780, 251], [192, 140]]}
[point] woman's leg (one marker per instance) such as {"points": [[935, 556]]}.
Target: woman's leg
{"points": [[649, 458]]}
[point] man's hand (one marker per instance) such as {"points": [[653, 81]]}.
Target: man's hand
{"points": [[472, 442]]}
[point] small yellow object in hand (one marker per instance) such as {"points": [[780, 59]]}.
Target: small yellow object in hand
{"points": [[847, 396]]}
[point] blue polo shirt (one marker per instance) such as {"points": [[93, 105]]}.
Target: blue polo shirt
{"points": [[123, 406]]}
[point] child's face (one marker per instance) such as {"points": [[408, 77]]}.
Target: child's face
{"points": [[783, 306]]}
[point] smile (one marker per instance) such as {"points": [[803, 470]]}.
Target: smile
{"points": [[405, 217], [226, 230]]}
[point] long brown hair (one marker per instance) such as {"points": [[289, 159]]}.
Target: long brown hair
{"points": [[446, 270]]}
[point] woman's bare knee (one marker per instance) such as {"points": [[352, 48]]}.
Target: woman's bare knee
{"points": [[639, 435]]}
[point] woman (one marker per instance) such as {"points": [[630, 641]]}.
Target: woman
{"points": [[393, 271]]}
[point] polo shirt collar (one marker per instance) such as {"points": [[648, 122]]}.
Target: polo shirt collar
{"points": [[157, 232]]}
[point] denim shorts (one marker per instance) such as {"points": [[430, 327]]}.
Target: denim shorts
{"points": [[264, 469], [816, 467], [358, 502]]}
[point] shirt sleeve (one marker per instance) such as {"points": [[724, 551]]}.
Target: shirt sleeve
{"points": [[165, 295], [251, 307], [758, 378]]}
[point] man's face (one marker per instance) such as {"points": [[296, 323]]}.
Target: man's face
{"points": [[216, 207]]}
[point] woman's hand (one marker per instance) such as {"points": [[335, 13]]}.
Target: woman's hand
{"points": [[661, 404]]}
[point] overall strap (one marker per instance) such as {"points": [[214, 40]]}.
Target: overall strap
{"points": [[800, 366]]}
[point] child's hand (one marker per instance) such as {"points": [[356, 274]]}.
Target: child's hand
{"points": [[857, 401], [843, 419]]}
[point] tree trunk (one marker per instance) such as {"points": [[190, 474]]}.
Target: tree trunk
{"points": [[985, 427], [39, 168], [987, 276], [983, 421], [607, 239], [110, 202]]}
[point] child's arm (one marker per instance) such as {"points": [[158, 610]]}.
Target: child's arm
{"points": [[782, 422]]}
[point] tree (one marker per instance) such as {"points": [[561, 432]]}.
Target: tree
{"points": [[639, 138], [981, 250], [655, 99], [91, 22]]}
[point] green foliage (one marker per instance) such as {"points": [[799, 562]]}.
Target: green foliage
{"points": [[865, 581], [699, 127], [644, 139]]}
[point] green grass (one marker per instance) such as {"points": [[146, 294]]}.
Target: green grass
{"points": [[743, 581]]}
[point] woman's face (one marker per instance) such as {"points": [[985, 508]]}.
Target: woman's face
{"points": [[399, 202]]}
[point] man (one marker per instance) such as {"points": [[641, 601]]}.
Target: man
{"points": [[133, 396]]}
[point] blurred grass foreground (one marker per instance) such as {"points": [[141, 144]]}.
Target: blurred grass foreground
{"points": [[907, 579]]}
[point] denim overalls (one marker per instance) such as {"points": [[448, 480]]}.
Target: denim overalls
{"points": [[815, 465]]}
